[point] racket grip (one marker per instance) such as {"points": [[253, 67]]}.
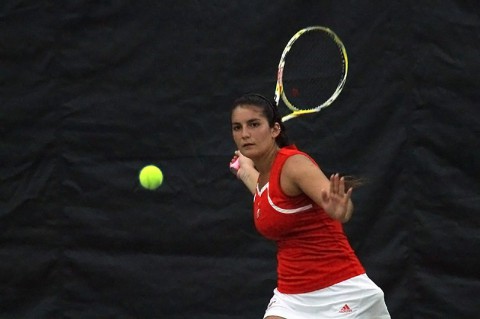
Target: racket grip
{"points": [[234, 165]]}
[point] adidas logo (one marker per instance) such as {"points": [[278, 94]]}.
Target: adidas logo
{"points": [[345, 309]]}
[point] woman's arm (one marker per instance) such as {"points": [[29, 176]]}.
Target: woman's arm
{"points": [[301, 175], [246, 172]]}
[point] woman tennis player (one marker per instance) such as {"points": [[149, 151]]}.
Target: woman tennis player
{"points": [[298, 207]]}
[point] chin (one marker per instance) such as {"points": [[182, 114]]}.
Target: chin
{"points": [[249, 154]]}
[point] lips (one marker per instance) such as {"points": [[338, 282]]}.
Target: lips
{"points": [[247, 145]]}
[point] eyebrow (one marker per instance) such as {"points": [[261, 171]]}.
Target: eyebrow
{"points": [[248, 122]]}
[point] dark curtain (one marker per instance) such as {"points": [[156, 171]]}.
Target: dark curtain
{"points": [[90, 92]]}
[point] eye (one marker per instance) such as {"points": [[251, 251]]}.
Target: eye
{"points": [[254, 124], [235, 127]]}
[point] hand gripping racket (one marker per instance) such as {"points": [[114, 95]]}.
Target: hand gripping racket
{"points": [[311, 73]]}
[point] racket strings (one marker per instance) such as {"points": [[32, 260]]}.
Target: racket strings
{"points": [[314, 69]]}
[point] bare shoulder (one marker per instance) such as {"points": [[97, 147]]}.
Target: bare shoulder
{"points": [[299, 163], [301, 174], [297, 170]]}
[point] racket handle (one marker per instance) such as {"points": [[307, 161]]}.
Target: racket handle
{"points": [[234, 165]]}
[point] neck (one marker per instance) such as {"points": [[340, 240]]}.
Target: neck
{"points": [[265, 163]]}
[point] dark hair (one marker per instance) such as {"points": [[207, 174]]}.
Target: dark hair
{"points": [[269, 110]]}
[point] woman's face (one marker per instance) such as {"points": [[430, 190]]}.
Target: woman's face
{"points": [[251, 132]]}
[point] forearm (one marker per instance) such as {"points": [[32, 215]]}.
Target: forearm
{"points": [[249, 176]]}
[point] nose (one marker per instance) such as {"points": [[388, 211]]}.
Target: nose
{"points": [[245, 132]]}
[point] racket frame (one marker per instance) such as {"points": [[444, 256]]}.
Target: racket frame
{"points": [[280, 93]]}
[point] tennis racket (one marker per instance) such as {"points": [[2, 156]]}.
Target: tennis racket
{"points": [[311, 73]]}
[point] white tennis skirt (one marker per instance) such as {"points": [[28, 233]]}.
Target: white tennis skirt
{"points": [[357, 297]]}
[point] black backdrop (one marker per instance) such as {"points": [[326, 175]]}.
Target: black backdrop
{"points": [[90, 92]]}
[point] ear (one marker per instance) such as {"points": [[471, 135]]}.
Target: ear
{"points": [[276, 130]]}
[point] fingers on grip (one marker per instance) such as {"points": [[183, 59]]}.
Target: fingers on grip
{"points": [[234, 165]]}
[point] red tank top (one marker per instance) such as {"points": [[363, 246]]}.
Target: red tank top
{"points": [[312, 249]]}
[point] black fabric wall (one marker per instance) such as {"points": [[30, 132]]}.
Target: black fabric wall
{"points": [[90, 92]]}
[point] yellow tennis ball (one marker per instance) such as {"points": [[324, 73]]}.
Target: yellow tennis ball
{"points": [[151, 177]]}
